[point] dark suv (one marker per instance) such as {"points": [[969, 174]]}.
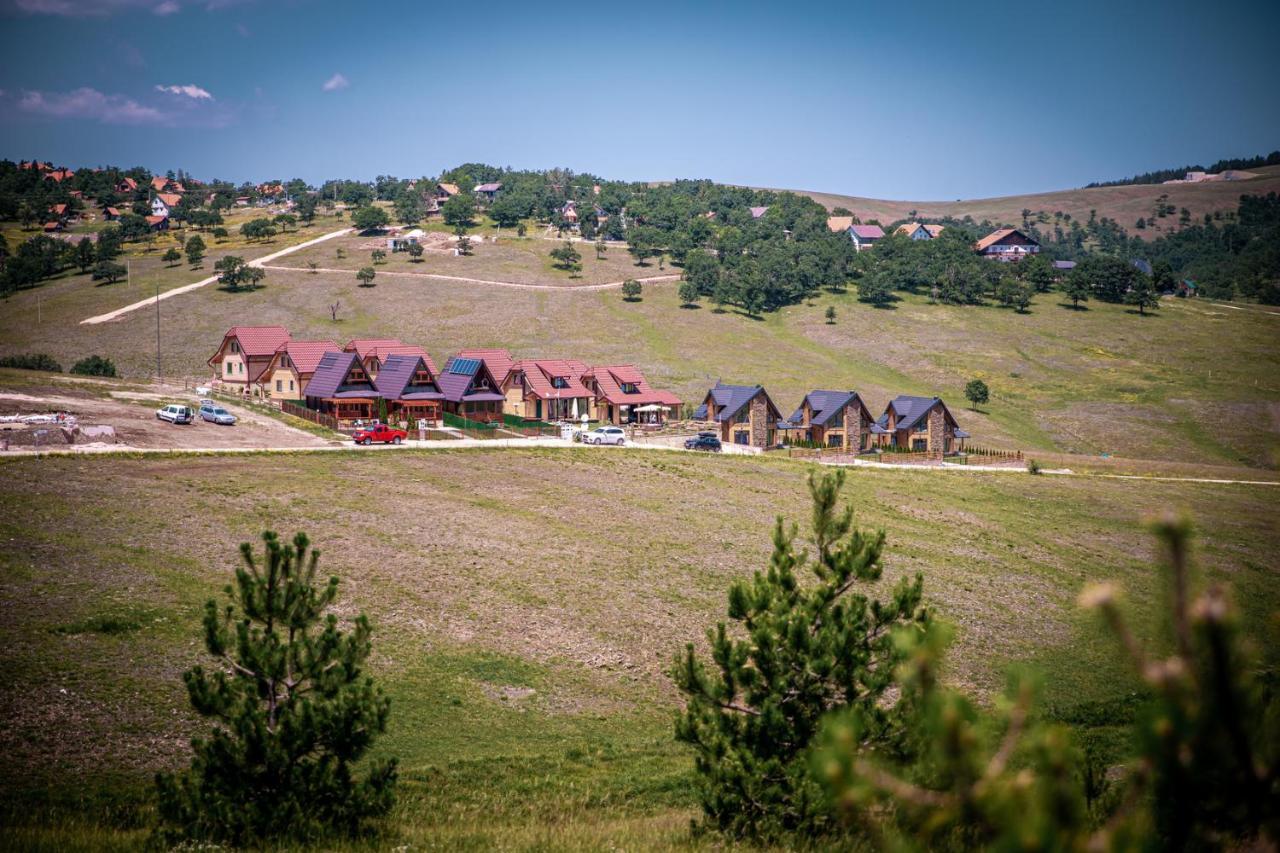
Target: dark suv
{"points": [[703, 441]]}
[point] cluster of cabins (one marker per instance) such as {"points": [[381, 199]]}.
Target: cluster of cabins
{"points": [[369, 377], [837, 420], [1004, 244]]}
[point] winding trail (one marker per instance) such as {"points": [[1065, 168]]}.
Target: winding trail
{"points": [[187, 288], [608, 285]]}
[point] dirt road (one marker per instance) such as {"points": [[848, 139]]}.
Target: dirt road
{"points": [[187, 288], [608, 285]]}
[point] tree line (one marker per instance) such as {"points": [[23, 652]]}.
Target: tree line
{"points": [[1159, 176]]}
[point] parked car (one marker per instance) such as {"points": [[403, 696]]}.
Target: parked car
{"points": [[216, 414], [605, 435], [703, 441], [175, 414], [379, 432]]}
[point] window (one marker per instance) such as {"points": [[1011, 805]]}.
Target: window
{"points": [[923, 426], [559, 382], [280, 384], [630, 388], [743, 416], [742, 436], [835, 440], [231, 368], [290, 384], [919, 444], [235, 346], [837, 420]]}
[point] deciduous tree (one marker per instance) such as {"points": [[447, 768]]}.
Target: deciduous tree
{"points": [[977, 393], [366, 276]]}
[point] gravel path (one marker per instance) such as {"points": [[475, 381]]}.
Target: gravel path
{"points": [[609, 285]]}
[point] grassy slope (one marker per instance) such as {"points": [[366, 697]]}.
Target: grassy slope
{"points": [[490, 574], [1192, 383], [1124, 204]]}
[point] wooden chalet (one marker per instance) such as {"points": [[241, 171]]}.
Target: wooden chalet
{"points": [[291, 368], [342, 388], [374, 351], [470, 390], [408, 384]]}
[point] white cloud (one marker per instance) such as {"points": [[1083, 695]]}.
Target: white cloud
{"points": [[190, 90], [101, 8], [336, 82], [167, 7], [87, 103]]}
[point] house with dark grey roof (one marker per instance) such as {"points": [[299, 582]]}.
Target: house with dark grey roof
{"points": [[409, 386], [836, 419], [742, 414], [341, 387], [921, 424], [470, 391]]}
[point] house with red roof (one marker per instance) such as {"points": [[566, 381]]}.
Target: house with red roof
{"points": [[622, 395], [163, 203], [161, 184], [244, 354], [156, 222], [127, 186], [291, 368], [374, 351], [547, 390], [498, 361]]}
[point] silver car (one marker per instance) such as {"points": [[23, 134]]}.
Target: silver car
{"points": [[605, 435], [217, 414]]}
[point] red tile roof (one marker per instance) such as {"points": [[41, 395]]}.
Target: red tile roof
{"points": [[256, 341], [383, 347], [609, 380], [305, 355], [156, 220], [539, 374], [128, 183], [170, 199], [159, 183]]}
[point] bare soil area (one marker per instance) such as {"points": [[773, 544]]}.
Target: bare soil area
{"points": [[131, 417]]}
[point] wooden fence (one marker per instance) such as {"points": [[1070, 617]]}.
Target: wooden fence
{"points": [[306, 414], [991, 453]]}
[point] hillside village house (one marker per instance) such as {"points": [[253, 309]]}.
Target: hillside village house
{"points": [[743, 414], [291, 368], [499, 362], [920, 424], [244, 354], [547, 390], [1006, 244], [156, 222], [470, 390], [835, 419], [163, 203], [621, 395], [863, 236], [408, 384], [161, 184], [374, 351], [489, 191], [127, 186], [340, 387], [918, 230], [757, 212]]}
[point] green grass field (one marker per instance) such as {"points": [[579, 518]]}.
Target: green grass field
{"points": [[526, 604]]}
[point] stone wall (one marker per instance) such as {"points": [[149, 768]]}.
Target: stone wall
{"points": [[937, 431], [759, 421]]}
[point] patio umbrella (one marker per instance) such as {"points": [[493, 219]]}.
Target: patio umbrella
{"points": [[652, 407], [575, 407]]}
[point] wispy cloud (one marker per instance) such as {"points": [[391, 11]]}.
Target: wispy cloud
{"points": [[175, 106], [336, 82], [190, 91], [102, 8]]}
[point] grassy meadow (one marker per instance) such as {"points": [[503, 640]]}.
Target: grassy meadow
{"points": [[526, 605], [1195, 383]]}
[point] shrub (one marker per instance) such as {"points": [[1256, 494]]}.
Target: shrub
{"points": [[31, 361], [94, 365], [1033, 467]]}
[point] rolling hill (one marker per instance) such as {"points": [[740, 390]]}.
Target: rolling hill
{"points": [[1124, 204]]}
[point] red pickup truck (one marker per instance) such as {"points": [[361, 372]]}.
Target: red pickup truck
{"points": [[379, 432]]}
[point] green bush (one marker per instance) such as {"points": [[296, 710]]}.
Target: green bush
{"points": [[31, 361], [94, 365]]}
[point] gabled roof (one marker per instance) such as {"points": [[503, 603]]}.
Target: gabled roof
{"points": [[825, 404], [255, 341], [1064, 265], [397, 373], [128, 183], [381, 348], [867, 232], [498, 361], [840, 223], [159, 183], [331, 378], [170, 199], [157, 219], [305, 355], [458, 381], [610, 379], [757, 212], [999, 235], [911, 409], [491, 187], [539, 374], [729, 400], [910, 228], [449, 189], [934, 230]]}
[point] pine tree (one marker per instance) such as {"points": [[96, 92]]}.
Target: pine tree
{"points": [[293, 712], [795, 654]]}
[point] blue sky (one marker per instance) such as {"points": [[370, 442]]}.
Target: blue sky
{"points": [[919, 100]]}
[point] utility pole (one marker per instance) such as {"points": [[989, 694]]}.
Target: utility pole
{"points": [[158, 377]]}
